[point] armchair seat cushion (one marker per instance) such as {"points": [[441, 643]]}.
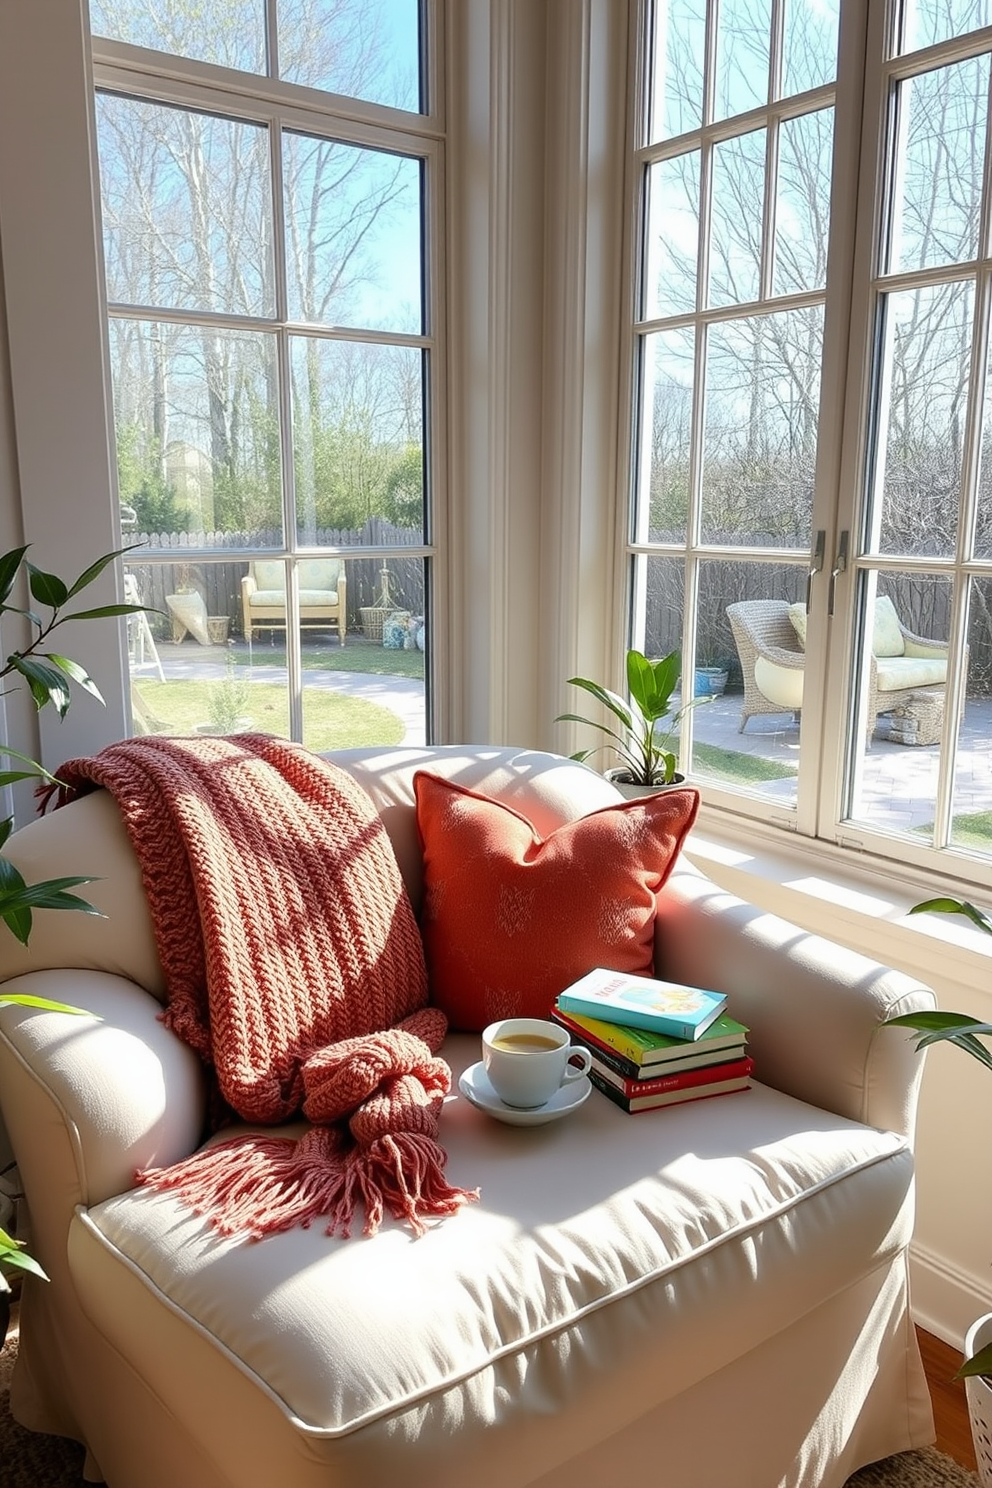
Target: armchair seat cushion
{"points": [[898, 672], [276, 598], [761, 1206]]}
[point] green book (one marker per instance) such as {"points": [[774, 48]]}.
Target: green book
{"points": [[641, 1046]]}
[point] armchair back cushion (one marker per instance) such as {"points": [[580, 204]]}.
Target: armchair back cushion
{"points": [[318, 576], [887, 638]]}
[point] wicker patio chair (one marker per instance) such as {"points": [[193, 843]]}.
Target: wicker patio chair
{"points": [[772, 661], [768, 647]]}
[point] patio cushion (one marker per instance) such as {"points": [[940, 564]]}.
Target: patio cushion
{"points": [[797, 618], [898, 672], [318, 578], [887, 637], [781, 685], [309, 598], [688, 1234]]}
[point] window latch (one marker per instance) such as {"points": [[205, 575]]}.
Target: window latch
{"points": [[816, 563], [840, 566]]}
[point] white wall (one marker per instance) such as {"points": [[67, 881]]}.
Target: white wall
{"points": [[56, 467]]}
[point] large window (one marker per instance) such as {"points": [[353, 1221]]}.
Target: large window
{"points": [[810, 493], [269, 177]]}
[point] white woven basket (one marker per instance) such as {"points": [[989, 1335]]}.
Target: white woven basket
{"points": [[979, 1393]]}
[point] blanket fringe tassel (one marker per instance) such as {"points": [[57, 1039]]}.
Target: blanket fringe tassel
{"points": [[258, 1186]]}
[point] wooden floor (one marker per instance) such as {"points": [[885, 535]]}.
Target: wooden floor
{"points": [[950, 1407]]}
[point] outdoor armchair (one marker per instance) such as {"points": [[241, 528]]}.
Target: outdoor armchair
{"points": [[770, 638], [323, 596]]}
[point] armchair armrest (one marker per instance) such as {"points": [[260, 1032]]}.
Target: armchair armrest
{"points": [[783, 657], [98, 1097], [814, 1008], [920, 646]]}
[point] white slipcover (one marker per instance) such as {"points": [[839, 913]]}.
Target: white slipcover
{"points": [[711, 1294]]}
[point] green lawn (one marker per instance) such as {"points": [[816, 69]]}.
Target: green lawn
{"points": [[358, 655], [972, 829], [743, 769], [331, 720]]}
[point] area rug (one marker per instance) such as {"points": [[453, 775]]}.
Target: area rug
{"points": [[28, 1460]]}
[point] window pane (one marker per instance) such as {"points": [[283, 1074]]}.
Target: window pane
{"points": [[802, 209], [366, 49], [380, 674], [738, 194], [353, 230], [676, 63], [903, 670], [759, 447], [663, 583], [938, 197], [810, 46], [187, 214], [228, 33], [983, 525], [672, 236], [930, 21], [971, 818], [743, 42], [208, 679], [747, 735], [666, 434], [357, 439], [926, 352], [196, 415]]}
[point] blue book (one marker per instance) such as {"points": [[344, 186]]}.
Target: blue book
{"points": [[642, 1002]]}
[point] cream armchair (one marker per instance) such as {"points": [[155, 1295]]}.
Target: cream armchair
{"points": [[323, 595], [719, 1286]]}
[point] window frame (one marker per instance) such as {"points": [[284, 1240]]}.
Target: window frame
{"points": [[123, 70], [818, 819]]}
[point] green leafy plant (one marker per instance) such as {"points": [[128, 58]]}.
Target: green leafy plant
{"points": [[645, 755], [229, 700], [49, 675], [964, 1033], [13, 1253]]}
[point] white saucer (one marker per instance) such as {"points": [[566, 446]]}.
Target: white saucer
{"points": [[474, 1085]]}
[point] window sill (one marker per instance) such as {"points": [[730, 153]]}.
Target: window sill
{"points": [[864, 904]]}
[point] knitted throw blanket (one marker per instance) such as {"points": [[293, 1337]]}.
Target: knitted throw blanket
{"points": [[294, 967]]}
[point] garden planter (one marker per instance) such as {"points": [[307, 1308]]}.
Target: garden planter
{"points": [[979, 1393], [709, 682]]}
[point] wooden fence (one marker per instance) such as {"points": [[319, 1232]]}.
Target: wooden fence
{"points": [[218, 580]]}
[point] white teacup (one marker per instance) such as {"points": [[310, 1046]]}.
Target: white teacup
{"points": [[527, 1060]]}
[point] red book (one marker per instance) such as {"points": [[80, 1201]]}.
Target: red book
{"points": [[634, 1103], [714, 1074]]}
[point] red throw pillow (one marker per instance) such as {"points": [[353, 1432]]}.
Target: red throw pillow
{"points": [[510, 918]]}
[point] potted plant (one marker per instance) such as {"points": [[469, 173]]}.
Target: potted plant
{"points": [[647, 761], [48, 675], [964, 1033]]}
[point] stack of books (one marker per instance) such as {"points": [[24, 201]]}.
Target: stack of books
{"points": [[654, 1043]]}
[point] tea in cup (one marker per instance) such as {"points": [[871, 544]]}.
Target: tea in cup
{"points": [[528, 1059]]}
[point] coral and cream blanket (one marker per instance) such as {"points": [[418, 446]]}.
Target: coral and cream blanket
{"points": [[294, 966]]}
